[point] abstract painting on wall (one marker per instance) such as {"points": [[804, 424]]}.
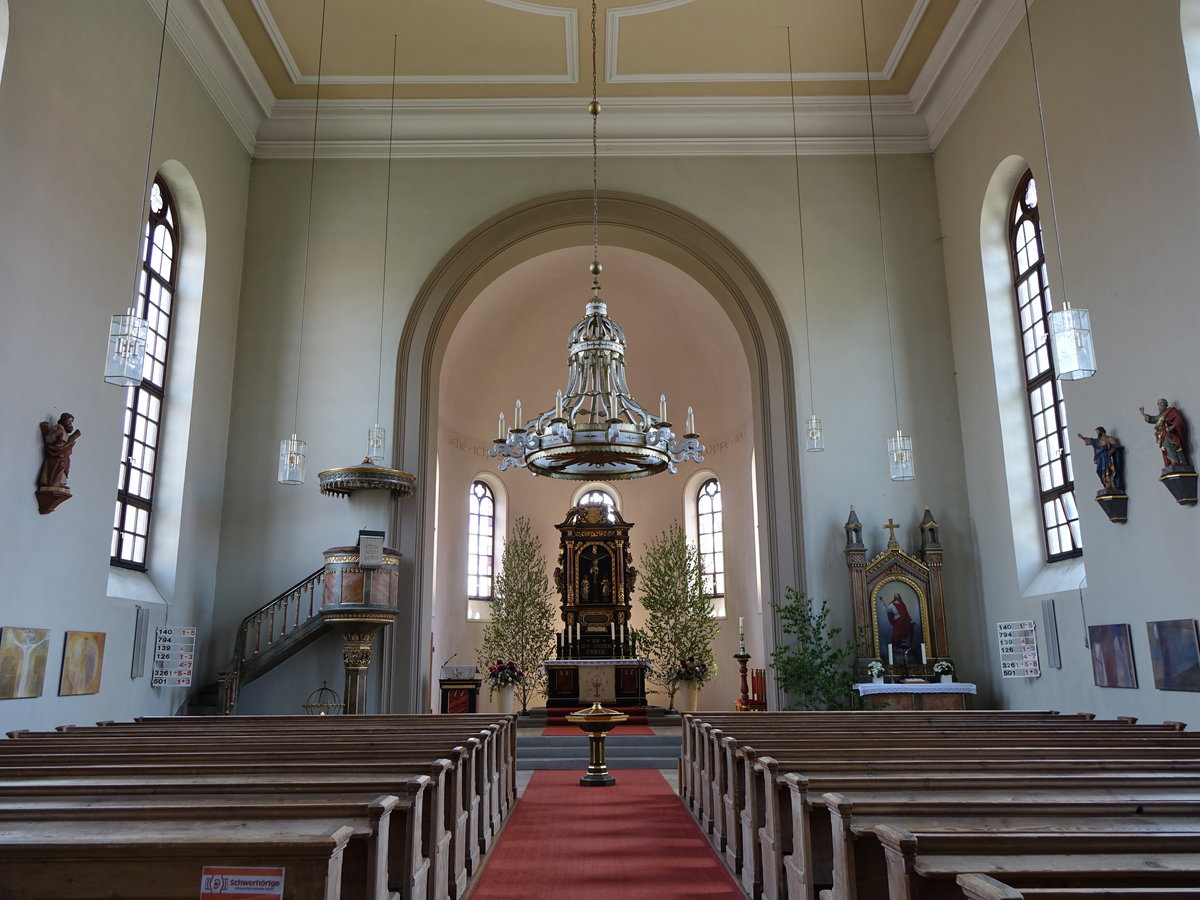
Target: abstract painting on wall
{"points": [[23, 653], [1175, 652], [1112, 656], [83, 661]]}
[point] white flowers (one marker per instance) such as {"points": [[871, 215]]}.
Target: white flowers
{"points": [[942, 667], [875, 668]]}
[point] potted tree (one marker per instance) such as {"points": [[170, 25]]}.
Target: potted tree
{"points": [[521, 632], [812, 666], [680, 626]]}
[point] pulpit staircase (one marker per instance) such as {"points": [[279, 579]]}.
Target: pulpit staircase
{"points": [[270, 635]]}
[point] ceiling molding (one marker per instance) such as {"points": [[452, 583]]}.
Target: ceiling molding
{"points": [[632, 126], [570, 25], [214, 50], [973, 39]]}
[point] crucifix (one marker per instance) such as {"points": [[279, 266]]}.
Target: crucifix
{"points": [[891, 530]]}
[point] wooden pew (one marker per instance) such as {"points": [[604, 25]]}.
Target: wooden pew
{"points": [[858, 860], [927, 866], [376, 864], [982, 887], [163, 860], [206, 780]]}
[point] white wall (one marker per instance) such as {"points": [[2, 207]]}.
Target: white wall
{"points": [[272, 536], [1123, 151], [75, 102]]}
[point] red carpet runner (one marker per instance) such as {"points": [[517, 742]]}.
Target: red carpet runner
{"points": [[632, 841]]}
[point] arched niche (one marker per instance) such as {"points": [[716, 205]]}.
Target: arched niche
{"points": [[530, 230]]}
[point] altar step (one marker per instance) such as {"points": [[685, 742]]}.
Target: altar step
{"points": [[621, 752], [638, 715]]}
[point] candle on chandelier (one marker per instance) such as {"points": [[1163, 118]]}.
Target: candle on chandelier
{"points": [[691, 422], [500, 429], [517, 416], [662, 407], [558, 404]]}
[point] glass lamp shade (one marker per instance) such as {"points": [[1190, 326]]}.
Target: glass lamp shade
{"points": [[900, 457], [292, 452], [376, 437], [1071, 343], [815, 440], [126, 350]]}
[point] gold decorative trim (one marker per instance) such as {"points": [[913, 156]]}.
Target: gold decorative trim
{"points": [[346, 480]]}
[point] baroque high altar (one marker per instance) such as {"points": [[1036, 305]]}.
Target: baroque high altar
{"points": [[597, 657]]}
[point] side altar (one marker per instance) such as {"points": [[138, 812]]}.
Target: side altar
{"points": [[597, 655]]}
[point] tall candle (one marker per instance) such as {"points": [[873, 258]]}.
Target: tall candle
{"points": [[922, 651], [612, 631], [890, 655]]}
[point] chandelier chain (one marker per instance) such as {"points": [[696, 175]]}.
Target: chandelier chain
{"points": [[594, 109]]}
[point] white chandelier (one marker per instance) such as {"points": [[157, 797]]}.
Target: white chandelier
{"points": [[596, 431]]}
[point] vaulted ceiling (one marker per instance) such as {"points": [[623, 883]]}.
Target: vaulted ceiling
{"points": [[474, 77]]}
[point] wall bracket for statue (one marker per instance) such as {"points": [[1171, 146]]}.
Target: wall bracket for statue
{"points": [[58, 443], [1171, 435], [1109, 457], [897, 601]]}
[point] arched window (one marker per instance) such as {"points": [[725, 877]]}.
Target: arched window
{"points": [[1047, 410], [481, 541], [710, 530], [597, 497], [144, 403]]}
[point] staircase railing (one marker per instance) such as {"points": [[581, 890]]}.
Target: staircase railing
{"points": [[264, 627]]}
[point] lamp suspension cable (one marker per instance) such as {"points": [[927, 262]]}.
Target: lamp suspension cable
{"points": [[815, 440], [292, 451], [128, 331], [594, 112], [900, 454], [1070, 329], [377, 434]]}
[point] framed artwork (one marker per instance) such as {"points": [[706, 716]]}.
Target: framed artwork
{"points": [[83, 661], [1112, 656], [899, 622], [1175, 654], [23, 654]]}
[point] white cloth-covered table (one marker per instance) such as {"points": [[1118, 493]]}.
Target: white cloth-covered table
{"points": [[929, 687]]}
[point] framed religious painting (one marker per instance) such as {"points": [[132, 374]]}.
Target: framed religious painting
{"points": [[1112, 656], [900, 612], [23, 655], [1175, 654]]}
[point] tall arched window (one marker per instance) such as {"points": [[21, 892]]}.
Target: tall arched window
{"points": [[598, 497], [1047, 410], [144, 403], [481, 541], [710, 530]]}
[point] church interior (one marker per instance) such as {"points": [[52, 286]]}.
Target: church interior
{"points": [[383, 215]]}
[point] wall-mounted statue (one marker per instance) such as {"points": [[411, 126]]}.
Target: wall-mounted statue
{"points": [[1109, 457], [1171, 435], [58, 442]]}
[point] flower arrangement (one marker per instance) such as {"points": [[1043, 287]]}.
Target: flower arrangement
{"points": [[691, 671], [875, 668], [942, 667], [504, 673]]}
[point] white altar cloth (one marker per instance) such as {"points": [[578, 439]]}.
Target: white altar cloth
{"points": [[929, 687]]}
